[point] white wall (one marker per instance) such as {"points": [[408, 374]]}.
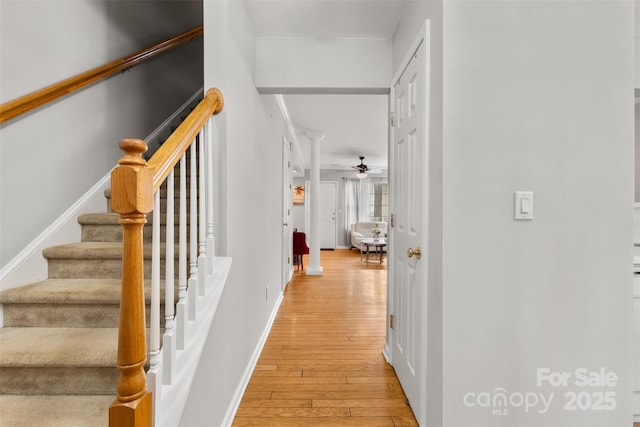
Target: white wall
{"points": [[251, 136], [283, 64], [637, 42], [50, 157], [637, 94], [538, 98]]}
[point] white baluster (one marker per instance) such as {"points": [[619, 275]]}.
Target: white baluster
{"points": [[211, 242], [182, 307], [154, 380], [202, 212], [169, 342], [193, 233]]}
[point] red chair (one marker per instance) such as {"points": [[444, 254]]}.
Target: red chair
{"points": [[300, 247]]}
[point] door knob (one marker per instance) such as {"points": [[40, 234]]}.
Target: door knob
{"points": [[416, 252]]}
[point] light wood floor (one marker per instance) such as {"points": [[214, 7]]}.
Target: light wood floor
{"points": [[322, 364]]}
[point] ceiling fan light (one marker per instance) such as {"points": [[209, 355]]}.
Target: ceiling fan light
{"points": [[361, 175]]}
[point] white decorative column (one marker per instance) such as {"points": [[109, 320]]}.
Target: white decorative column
{"points": [[314, 268]]}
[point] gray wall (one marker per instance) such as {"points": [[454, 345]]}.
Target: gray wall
{"points": [[51, 157], [250, 179], [538, 97]]}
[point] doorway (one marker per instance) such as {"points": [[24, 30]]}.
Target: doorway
{"points": [[287, 195], [328, 213], [408, 255]]}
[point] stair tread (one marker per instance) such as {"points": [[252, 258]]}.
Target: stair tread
{"points": [[93, 250], [55, 410], [108, 218], [71, 291], [58, 347], [97, 250]]}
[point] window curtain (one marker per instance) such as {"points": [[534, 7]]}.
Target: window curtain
{"points": [[352, 206], [365, 200]]}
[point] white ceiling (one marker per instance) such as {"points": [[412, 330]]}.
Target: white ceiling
{"points": [[355, 125]]}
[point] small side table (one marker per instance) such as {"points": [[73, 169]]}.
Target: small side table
{"points": [[378, 246]]}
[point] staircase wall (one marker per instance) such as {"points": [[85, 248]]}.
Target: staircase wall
{"points": [[51, 157], [29, 265], [249, 134]]}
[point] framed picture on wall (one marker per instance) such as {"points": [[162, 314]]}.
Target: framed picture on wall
{"points": [[298, 194]]}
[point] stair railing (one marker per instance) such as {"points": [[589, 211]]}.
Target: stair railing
{"points": [[135, 191], [14, 108]]}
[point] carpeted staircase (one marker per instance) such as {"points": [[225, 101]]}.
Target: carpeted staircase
{"points": [[58, 345]]}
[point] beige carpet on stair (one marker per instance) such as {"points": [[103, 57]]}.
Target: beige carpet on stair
{"points": [[54, 411]]}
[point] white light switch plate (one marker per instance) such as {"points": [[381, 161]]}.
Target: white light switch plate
{"points": [[523, 205]]}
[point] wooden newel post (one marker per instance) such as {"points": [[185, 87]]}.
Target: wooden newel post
{"points": [[132, 198]]}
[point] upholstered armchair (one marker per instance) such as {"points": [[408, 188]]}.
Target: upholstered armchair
{"points": [[300, 247]]}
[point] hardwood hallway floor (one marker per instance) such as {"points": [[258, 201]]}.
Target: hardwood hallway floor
{"points": [[322, 364]]}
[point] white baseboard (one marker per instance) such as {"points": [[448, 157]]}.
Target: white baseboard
{"points": [[244, 382], [386, 353]]}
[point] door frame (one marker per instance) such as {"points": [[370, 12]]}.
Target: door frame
{"points": [[423, 36]]}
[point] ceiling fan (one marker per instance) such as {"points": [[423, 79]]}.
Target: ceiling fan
{"points": [[363, 170]]}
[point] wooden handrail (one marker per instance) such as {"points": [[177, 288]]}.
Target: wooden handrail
{"points": [[133, 184], [167, 156], [33, 100]]}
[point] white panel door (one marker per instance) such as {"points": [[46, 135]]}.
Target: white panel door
{"points": [[409, 222], [328, 194], [287, 194], [635, 345]]}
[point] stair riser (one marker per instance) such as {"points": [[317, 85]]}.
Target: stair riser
{"points": [[67, 315], [95, 268], [50, 380], [103, 233]]}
